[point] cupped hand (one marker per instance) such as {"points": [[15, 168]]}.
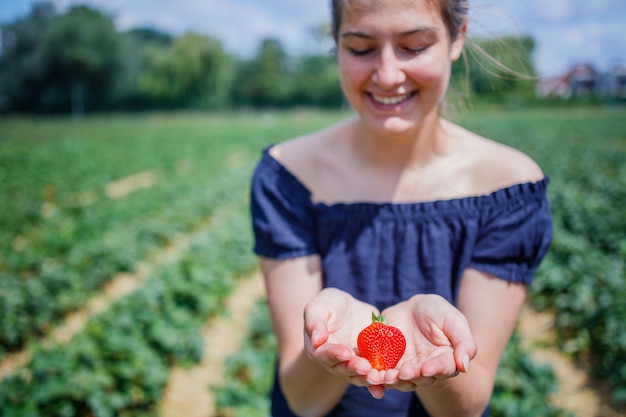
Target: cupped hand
{"points": [[332, 322], [439, 342]]}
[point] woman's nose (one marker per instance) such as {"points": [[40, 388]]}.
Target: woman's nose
{"points": [[389, 71]]}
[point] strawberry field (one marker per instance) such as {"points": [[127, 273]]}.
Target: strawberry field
{"points": [[583, 280], [160, 200]]}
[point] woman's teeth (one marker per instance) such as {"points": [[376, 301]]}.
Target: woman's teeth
{"points": [[389, 101]]}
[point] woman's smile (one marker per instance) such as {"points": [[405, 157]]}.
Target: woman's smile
{"points": [[391, 100]]}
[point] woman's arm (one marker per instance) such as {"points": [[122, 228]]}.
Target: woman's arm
{"points": [[491, 306], [316, 363], [291, 284]]}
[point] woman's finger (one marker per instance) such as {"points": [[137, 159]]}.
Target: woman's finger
{"points": [[461, 338], [316, 324], [377, 391], [331, 355], [440, 366]]}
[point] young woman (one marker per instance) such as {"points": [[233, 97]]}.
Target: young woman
{"points": [[401, 212]]}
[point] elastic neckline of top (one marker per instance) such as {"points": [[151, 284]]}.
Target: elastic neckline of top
{"points": [[513, 192]]}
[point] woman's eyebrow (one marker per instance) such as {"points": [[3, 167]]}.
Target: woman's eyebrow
{"points": [[420, 30], [360, 34], [356, 33]]}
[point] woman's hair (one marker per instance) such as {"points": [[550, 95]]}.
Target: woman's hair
{"points": [[453, 12]]}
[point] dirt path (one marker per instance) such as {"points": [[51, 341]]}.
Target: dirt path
{"points": [[578, 393], [187, 393], [119, 286], [130, 184], [114, 190]]}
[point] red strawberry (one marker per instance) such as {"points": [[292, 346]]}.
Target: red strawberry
{"points": [[382, 345]]}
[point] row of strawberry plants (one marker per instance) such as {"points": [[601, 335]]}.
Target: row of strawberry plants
{"points": [[97, 249], [118, 365], [583, 279]]}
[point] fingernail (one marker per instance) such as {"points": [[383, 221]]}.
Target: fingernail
{"points": [[466, 361]]}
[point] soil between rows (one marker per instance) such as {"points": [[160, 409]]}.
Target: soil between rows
{"points": [[188, 393], [578, 392]]}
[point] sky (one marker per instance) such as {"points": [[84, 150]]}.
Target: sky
{"points": [[566, 32]]}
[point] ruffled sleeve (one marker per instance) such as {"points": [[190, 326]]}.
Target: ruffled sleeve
{"points": [[515, 233], [281, 208]]}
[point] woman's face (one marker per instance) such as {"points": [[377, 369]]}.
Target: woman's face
{"points": [[394, 61]]}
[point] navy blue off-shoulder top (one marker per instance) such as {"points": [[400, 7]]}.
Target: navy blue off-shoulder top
{"points": [[383, 253]]}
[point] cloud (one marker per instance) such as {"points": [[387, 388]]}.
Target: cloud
{"points": [[552, 10]]}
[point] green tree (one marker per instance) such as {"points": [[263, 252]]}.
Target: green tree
{"points": [[194, 69], [317, 82], [128, 91], [267, 79], [147, 35], [23, 70], [82, 51]]}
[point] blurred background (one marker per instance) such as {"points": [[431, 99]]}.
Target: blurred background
{"points": [[128, 135], [103, 55]]}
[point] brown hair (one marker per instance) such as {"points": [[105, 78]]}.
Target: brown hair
{"points": [[453, 12]]}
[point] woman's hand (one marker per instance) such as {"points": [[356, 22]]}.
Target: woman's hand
{"points": [[439, 342], [332, 321]]}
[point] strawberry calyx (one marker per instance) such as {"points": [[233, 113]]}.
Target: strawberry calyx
{"points": [[379, 319]]}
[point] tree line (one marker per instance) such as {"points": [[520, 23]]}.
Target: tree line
{"points": [[78, 62]]}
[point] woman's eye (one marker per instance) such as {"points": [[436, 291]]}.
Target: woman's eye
{"points": [[360, 51], [416, 50]]}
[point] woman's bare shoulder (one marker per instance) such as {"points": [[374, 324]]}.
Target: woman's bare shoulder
{"points": [[307, 154], [310, 155], [495, 165]]}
